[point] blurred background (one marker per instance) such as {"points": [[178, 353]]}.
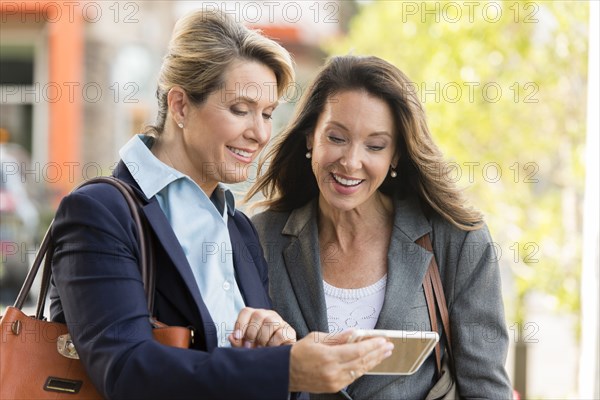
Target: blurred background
{"points": [[505, 85]]}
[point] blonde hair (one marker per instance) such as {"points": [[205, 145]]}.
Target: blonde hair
{"points": [[289, 182], [202, 46]]}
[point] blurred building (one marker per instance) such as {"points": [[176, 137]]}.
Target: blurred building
{"points": [[77, 79], [69, 90]]}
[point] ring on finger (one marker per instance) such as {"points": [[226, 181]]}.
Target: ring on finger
{"points": [[352, 374]]}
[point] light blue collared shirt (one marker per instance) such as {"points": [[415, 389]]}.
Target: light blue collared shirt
{"points": [[200, 225]]}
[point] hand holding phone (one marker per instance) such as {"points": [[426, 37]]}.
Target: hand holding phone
{"points": [[411, 349]]}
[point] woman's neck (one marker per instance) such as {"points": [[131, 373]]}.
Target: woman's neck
{"points": [[359, 224], [166, 146]]}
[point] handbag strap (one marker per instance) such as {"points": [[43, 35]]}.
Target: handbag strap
{"points": [[434, 295], [147, 263]]}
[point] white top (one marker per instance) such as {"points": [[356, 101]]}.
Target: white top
{"points": [[354, 308]]}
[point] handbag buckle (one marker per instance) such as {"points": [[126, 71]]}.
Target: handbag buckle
{"points": [[66, 347], [61, 385]]}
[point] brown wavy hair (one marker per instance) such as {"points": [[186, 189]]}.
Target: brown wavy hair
{"points": [[288, 181]]}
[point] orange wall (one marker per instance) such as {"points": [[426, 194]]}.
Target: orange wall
{"points": [[65, 65]]}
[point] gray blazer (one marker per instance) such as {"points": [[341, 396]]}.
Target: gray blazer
{"points": [[469, 270]]}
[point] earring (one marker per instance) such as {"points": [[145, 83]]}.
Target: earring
{"points": [[180, 125], [308, 154], [393, 172]]}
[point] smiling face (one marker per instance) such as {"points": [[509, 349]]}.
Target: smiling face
{"points": [[225, 133], [353, 146]]}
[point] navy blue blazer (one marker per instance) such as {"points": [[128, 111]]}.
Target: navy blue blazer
{"points": [[98, 292]]}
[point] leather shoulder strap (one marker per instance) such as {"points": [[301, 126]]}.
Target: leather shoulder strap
{"points": [[147, 263], [434, 295]]}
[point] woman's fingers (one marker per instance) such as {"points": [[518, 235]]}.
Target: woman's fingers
{"points": [[267, 328], [258, 327], [283, 335], [373, 354], [350, 351], [237, 337], [339, 337], [319, 364]]}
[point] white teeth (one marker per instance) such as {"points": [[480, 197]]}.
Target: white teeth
{"points": [[346, 182], [240, 152]]}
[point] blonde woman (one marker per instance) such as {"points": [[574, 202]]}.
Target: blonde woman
{"points": [[350, 186], [217, 91]]}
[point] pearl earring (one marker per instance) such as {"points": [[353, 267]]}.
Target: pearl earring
{"points": [[180, 125], [308, 154], [393, 172]]}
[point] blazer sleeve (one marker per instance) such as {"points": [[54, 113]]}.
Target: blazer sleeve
{"points": [[479, 334], [95, 270]]}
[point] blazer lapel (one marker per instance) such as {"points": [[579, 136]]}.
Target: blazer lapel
{"points": [[407, 264], [302, 261], [246, 272], [166, 236]]}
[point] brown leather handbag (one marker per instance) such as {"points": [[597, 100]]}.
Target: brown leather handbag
{"points": [[38, 359]]}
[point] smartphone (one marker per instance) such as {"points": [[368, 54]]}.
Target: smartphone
{"points": [[411, 349]]}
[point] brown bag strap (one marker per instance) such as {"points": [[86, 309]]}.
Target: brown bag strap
{"points": [[434, 295], [429, 297], [147, 263]]}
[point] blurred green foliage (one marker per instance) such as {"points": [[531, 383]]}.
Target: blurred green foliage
{"points": [[504, 87]]}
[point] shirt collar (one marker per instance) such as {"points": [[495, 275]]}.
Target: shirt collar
{"points": [[223, 196], [152, 175]]}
